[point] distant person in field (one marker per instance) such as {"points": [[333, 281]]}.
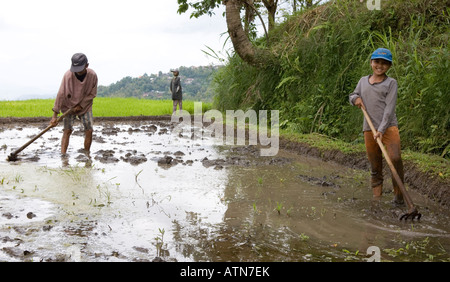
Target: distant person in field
{"points": [[377, 94], [177, 92], [77, 92]]}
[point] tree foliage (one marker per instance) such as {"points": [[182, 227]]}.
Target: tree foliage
{"points": [[320, 54], [205, 7], [194, 80]]}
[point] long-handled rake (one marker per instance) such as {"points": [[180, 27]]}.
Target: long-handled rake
{"points": [[13, 156], [412, 212]]}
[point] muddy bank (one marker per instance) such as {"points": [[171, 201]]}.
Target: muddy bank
{"points": [[429, 185]]}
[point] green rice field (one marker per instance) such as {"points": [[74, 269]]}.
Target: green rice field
{"points": [[103, 107]]}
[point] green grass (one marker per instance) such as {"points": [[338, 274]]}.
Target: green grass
{"points": [[103, 107], [324, 142], [434, 165]]}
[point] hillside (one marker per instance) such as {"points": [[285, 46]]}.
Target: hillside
{"points": [[194, 80], [320, 55]]}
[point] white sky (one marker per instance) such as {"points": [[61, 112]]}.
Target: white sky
{"points": [[120, 38]]}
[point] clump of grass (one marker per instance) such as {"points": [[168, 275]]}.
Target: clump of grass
{"points": [[18, 178], [160, 242], [419, 250]]}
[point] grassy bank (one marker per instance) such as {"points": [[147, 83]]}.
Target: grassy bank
{"points": [[103, 107], [435, 166], [322, 53]]}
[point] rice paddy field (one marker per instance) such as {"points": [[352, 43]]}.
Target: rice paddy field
{"points": [[103, 107], [123, 107], [147, 192]]}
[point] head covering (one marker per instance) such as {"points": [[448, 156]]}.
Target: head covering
{"points": [[382, 53], [174, 70], [79, 61]]}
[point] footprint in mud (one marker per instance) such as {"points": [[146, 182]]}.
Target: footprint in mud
{"points": [[132, 130], [217, 163], [33, 159], [82, 158], [110, 131], [134, 158], [179, 154], [150, 129], [8, 215], [324, 182], [106, 156], [168, 162]]}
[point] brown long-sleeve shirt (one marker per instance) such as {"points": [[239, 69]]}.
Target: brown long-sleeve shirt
{"points": [[73, 92]]}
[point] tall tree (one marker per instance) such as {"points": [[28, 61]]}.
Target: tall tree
{"points": [[251, 54], [271, 6]]}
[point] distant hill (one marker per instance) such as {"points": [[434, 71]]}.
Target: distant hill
{"points": [[194, 80]]}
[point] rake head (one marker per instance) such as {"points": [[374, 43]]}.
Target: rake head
{"points": [[12, 158], [411, 214]]}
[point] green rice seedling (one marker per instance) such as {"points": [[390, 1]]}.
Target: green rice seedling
{"points": [[255, 208], [260, 180], [18, 178], [279, 207], [289, 211], [160, 241], [304, 237]]}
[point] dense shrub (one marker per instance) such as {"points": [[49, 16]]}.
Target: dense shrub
{"points": [[322, 53]]}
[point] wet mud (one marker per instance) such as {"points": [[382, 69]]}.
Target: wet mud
{"points": [[144, 193]]}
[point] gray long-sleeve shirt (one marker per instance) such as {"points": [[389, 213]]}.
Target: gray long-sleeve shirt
{"points": [[379, 100]]}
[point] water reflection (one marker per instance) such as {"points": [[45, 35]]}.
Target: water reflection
{"points": [[143, 193]]}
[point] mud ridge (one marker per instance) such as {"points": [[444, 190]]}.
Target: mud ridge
{"points": [[28, 120], [426, 184]]}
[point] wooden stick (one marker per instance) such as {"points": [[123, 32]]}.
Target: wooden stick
{"points": [[391, 165], [13, 155]]}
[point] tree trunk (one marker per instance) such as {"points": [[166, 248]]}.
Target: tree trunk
{"points": [[241, 43], [249, 15], [271, 6]]}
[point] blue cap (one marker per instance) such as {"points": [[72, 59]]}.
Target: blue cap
{"points": [[382, 53]]}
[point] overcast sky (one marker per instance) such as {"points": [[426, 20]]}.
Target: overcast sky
{"points": [[120, 38]]}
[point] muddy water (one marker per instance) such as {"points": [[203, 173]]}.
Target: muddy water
{"points": [[145, 194]]}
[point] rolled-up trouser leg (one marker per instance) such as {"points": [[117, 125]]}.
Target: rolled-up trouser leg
{"points": [[375, 158], [391, 139]]}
